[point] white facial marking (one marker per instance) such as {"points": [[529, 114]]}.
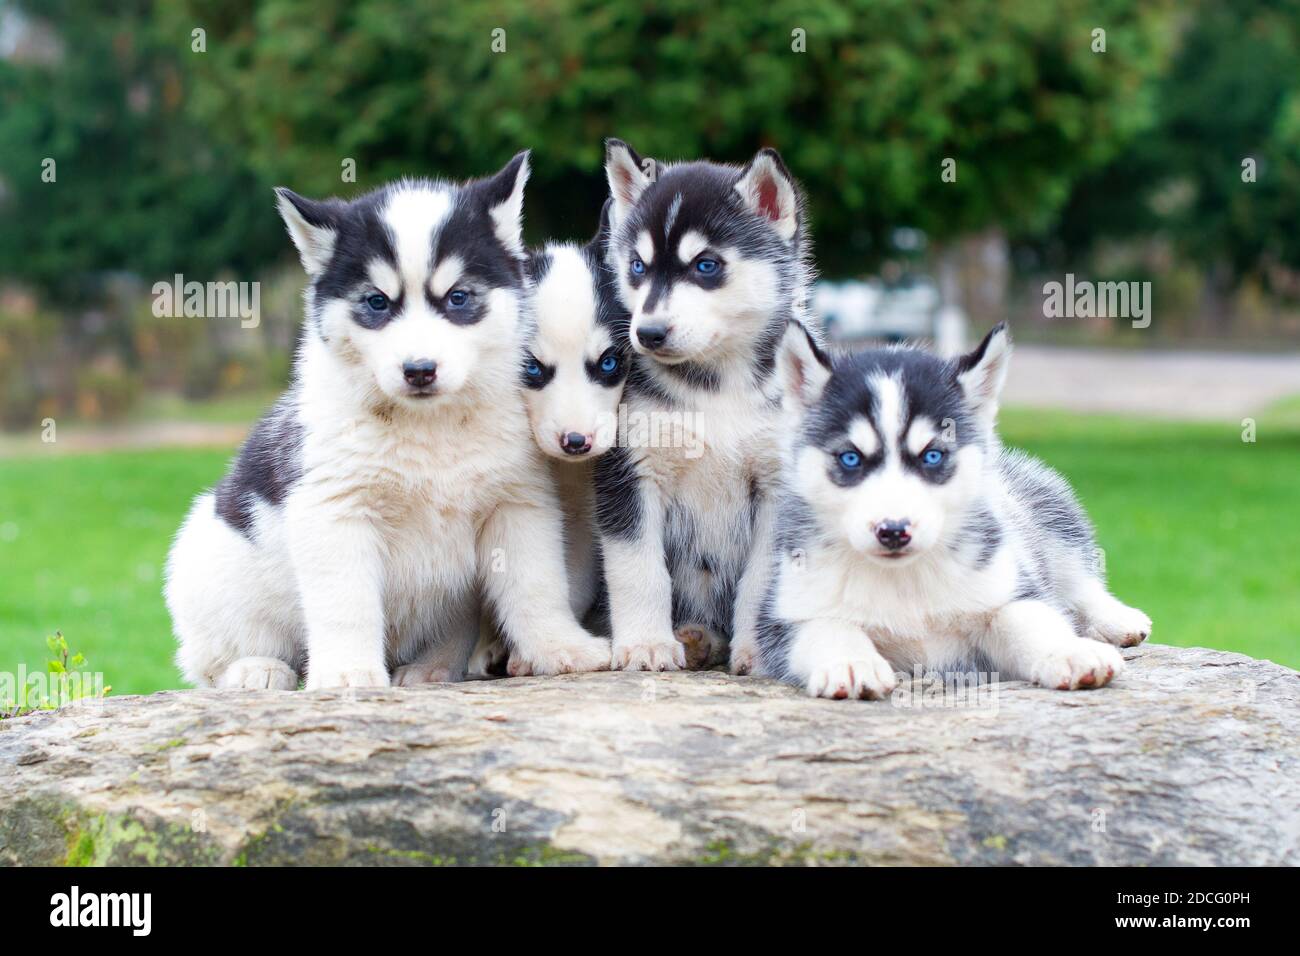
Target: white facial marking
{"points": [[891, 408], [692, 244], [920, 434], [446, 276], [671, 219], [864, 437], [645, 248], [384, 278], [414, 215]]}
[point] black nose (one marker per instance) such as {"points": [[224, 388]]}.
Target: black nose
{"points": [[421, 372], [893, 534], [652, 336], [575, 444]]}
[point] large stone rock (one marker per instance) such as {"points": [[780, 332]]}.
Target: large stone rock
{"points": [[1192, 757]]}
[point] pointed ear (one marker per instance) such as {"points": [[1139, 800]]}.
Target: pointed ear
{"points": [[982, 372], [767, 189], [802, 368], [503, 195], [628, 175], [313, 227]]}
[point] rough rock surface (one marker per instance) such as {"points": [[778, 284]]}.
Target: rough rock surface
{"points": [[1192, 757]]}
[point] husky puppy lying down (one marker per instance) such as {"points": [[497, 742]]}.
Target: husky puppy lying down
{"points": [[397, 476], [908, 538]]}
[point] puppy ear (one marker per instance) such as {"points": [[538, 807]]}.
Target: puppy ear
{"points": [[981, 374], [628, 175], [802, 368], [767, 189], [503, 194], [313, 227]]}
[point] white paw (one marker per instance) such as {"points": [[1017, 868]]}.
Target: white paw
{"points": [[1120, 625], [1077, 664], [667, 654], [865, 675], [408, 675], [259, 673], [703, 647], [579, 654], [319, 678], [744, 656]]}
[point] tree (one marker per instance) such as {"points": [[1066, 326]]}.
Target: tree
{"points": [[102, 168], [866, 99], [1219, 173]]}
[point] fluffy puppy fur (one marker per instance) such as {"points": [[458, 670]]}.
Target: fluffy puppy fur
{"points": [[397, 476], [711, 262], [910, 539], [573, 373]]}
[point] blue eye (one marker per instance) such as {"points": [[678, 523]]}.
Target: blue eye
{"points": [[932, 458], [458, 298], [849, 460], [707, 267], [533, 369], [638, 267], [609, 364], [377, 302]]}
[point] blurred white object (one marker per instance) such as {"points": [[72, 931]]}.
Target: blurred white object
{"points": [[872, 310]]}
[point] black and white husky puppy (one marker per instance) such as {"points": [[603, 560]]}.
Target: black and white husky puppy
{"points": [[397, 475], [910, 539], [574, 368], [711, 262]]}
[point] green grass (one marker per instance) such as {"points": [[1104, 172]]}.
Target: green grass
{"points": [[1199, 528]]}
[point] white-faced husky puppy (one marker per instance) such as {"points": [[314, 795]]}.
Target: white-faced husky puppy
{"points": [[909, 539], [397, 475], [574, 368], [711, 261]]}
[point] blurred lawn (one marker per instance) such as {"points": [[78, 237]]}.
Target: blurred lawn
{"points": [[1200, 530]]}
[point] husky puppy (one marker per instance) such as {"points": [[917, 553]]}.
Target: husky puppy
{"points": [[711, 262], [573, 372], [910, 539], [397, 475]]}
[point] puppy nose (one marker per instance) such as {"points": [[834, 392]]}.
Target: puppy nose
{"points": [[575, 443], [421, 372], [893, 534], [652, 336]]}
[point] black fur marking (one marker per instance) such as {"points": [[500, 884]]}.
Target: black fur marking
{"points": [[608, 379], [694, 374], [618, 494], [269, 463], [535, 382], [929, 389]]}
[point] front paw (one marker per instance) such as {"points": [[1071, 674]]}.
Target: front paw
{"points": [[1120, 625], [578, 654], [865, 675], [664, 654], [408, 675], [744, 655], [1077, 664], [324, 676], [703, 647]]}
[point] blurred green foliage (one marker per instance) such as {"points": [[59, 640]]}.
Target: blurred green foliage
{"points": [[140, 184], [1230, 94], [884, 92]]}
